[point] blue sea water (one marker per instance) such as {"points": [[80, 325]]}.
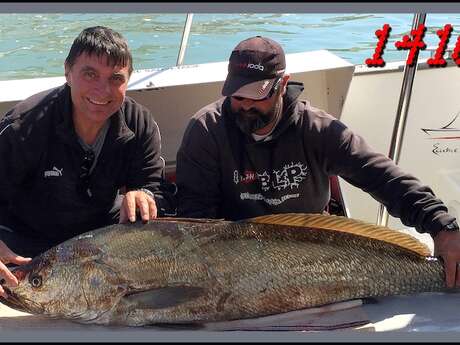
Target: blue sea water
{"points": [[35, 45]]}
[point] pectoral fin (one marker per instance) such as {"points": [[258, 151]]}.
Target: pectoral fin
{"points": [[163, 297]]}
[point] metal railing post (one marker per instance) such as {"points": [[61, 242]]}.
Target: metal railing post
{"points": [[185, 34], [401, 114]]}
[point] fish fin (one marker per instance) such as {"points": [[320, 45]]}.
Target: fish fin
{"points": [[163, 297], [347, 225]]}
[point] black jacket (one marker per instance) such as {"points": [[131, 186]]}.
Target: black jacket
{"points": [[224, 173], [41, 160]]}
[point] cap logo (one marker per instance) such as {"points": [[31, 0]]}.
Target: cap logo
{"points": [[251, 66], [260, 67]]}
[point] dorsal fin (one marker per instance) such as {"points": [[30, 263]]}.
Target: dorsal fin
{"points": [[343, 224]]}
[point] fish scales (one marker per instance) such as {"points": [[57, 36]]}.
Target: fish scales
{"points": [[192, 271], [279, 274], [280, 257]]}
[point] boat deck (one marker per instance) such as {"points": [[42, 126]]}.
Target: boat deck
{"points": [[408, 316]]}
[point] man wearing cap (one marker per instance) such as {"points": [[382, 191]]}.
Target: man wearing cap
{"points": [[260, 150]]}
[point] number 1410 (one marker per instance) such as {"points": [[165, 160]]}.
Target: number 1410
{"points": [[415, 44]]}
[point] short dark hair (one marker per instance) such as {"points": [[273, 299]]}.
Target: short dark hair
{"points": [[101, 41]]}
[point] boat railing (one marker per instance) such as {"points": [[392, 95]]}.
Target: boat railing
{"points": [[184, 41], [401, 115]]}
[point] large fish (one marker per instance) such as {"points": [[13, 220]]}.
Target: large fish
{"points": [[186, 271]]}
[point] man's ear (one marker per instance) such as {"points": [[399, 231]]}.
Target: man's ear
{"points": [[66, 73], [285, 81]]}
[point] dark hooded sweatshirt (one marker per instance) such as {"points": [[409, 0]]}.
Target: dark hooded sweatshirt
{"points": [[224, 173], [41, 160]]}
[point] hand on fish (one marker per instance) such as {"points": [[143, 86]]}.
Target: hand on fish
{"points": [[137, 199], [7, 256], [447, 246]]}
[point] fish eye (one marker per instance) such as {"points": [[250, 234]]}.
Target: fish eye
{"points": [[35, 281]]}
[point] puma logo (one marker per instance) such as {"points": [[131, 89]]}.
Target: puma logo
{"points": [[55, 172]]}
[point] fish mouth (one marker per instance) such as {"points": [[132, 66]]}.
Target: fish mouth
{"points": [[12, 301], [19, 303]]}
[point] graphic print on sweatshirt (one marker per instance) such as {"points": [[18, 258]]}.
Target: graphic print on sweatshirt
{"points": [[281, 182]]}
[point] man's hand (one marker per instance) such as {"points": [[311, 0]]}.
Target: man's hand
{"points": [[6, 257], [137, 199], [447, 246]]}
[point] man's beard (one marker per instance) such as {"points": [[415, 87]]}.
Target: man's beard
{"points": [[253, 120]]}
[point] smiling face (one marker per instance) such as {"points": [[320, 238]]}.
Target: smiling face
{"points": [[98, 89]]}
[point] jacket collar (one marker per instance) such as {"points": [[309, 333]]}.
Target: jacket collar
{"points": [[291, 113]]}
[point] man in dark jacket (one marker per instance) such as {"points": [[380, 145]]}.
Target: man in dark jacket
{"points": [[261, 150], [78, 157]]}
